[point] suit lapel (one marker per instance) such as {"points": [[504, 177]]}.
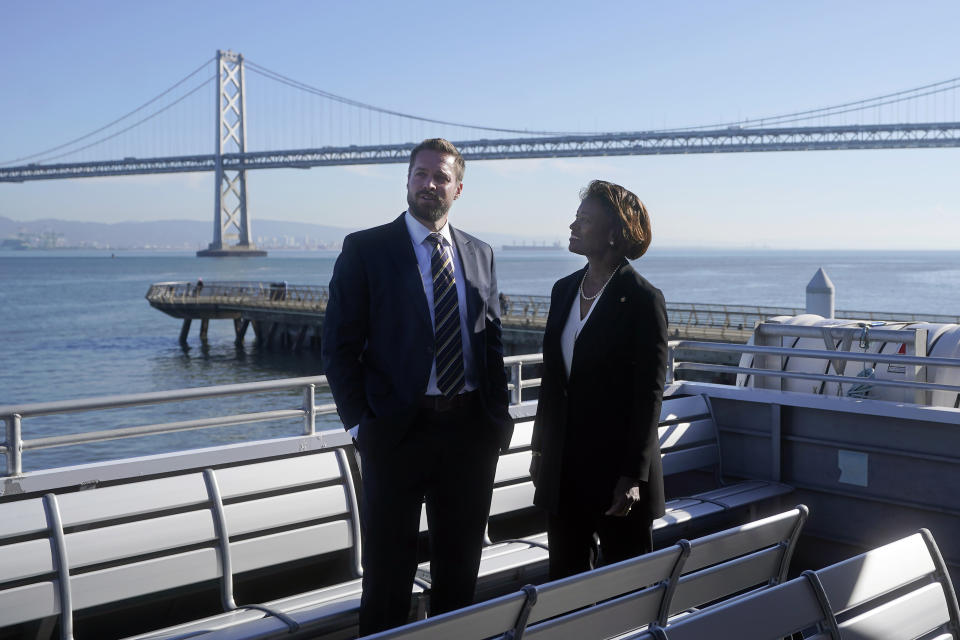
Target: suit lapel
{"points": [[595, 332], [467, 253], [400, 250]]}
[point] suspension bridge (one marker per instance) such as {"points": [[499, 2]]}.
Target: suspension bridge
{"points": [[166, 134]]}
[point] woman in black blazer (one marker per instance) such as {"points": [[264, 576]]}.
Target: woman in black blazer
{"points": [[596, 455]]}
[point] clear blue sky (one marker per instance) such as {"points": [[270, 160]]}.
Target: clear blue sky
{"points": [[70, 67]]}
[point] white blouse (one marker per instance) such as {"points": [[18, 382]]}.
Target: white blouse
{"points": [[572, 329]]}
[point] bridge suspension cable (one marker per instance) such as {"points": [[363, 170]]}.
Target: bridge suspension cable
{"points": [[857, 105], [296, 84], [786, 118], [153, 115], [121, 119]]}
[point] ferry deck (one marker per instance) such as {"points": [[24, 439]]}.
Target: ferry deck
{"points": [[213, 541]]}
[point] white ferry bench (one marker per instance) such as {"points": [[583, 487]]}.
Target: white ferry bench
{"points": [[899, 591], [634, 593], [779, 612], [269, 513], [688, 442], [61, 554]]}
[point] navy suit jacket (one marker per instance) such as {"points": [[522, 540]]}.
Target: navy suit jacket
{"points": [[378, 343]]}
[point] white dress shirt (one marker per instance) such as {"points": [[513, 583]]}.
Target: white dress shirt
{"points": [[572, 329]]}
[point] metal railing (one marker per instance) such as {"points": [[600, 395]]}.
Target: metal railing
{"points": [[14, 445], [516, 310], [13, 416], [524, 309], [723, 316], [915, 366], [273, 295]]}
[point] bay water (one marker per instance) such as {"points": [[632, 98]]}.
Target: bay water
{"points": [[76, 324]]}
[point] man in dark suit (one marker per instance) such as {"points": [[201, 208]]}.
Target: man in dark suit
{"points": [[413, 353]]}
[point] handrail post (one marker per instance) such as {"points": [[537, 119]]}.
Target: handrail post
{"points": [[776, 435], [918, 373], [516, 381], [671, 356], [310, 410], [14, 446]]}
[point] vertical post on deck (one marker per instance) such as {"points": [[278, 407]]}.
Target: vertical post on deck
{"points": [[14, 446], [310, 410], [918, 373], [515, 380], [775, 442], [671, 355]]}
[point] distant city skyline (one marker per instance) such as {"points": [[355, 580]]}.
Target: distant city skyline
{"points": [[614, 66]]}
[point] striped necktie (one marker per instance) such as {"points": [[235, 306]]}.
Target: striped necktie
{"points": [[446, 314]]}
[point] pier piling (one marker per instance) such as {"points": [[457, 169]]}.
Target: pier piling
{"points": [[185, 330], [240, 329]]}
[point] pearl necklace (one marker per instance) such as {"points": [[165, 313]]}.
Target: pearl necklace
{"points": [[594, 296]]}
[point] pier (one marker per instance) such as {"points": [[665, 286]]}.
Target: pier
{"points": [[290, 316]]}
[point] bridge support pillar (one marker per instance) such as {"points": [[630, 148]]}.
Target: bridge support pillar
{"points": [[230, 219]]}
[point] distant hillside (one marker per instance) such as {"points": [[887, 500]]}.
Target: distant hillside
{"points": [[162, 233], [191, 234]]}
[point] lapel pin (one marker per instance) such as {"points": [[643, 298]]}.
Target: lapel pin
{"points": [[623, 298]]}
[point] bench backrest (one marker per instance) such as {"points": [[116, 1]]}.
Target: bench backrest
{"points": [[28, 579], [772, 613], [484, 620], [632, 593], [645, 580], [704, 570], [755, 554], [62, 553], [688, 435], [900, 591], [289, 509], [688, 440], [897, 591]]}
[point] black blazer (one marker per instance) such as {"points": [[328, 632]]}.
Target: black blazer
{"points": [[602, 423], [378, 345]]}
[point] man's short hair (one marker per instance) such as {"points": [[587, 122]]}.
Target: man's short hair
{"points": [[440, 146]]}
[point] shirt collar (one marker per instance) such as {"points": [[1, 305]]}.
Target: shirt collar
{"points": [[419, 233]]}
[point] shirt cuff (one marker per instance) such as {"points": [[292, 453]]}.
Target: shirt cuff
{"points": [[353, 431]]}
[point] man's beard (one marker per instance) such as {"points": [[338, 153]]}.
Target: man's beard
{"points": [[431, 211]]}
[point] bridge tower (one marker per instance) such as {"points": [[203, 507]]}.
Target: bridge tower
{"points": [[230, 219]]}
